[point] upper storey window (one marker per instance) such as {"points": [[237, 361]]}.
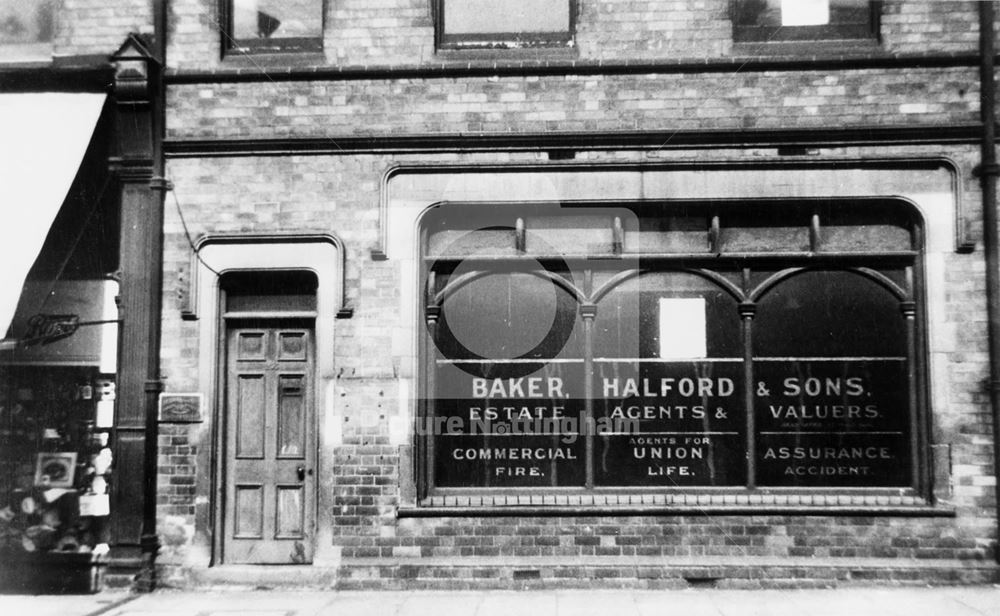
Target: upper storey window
{"points": [[762, 21], [512, 24], [26, 30], [273, 26]]}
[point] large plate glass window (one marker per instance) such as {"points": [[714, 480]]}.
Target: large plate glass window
{"points": [[671, 346], [511, 24], [763, 21], [272, 26]]}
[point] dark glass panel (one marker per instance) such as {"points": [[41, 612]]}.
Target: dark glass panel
{"points": [[507, 315], [270, 291], [803, 20], [829, 314]]}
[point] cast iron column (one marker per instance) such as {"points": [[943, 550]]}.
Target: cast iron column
{"points": [[140, 269]]}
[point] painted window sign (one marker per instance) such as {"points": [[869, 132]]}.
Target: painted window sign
{"points": [[738, 366], [686, 421]]}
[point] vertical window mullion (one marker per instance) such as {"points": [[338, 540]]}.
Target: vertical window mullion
{"points": [[920, 417], [588, 312], [909, 310], [433, 314], [747, 310]]}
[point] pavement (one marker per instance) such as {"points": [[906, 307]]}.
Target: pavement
{"points": [[853, 601]]}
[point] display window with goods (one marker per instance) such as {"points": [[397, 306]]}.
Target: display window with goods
{"points": [[56, 487]]}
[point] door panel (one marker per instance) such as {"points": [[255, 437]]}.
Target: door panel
{"points": [[291, 416], [270, 448], [250, 416], [249, 511]]}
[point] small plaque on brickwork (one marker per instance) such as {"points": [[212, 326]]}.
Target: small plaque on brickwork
{"points": [[180, 408]]}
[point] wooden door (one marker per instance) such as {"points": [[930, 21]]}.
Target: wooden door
{"points": [[270, 449]]}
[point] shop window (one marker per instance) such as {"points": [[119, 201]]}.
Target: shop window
{"points": [[762, 21], [772, 352], [512, 24], [830, 345], [273, 26], [27, 30]]}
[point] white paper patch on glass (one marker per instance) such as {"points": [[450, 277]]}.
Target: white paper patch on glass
{"points": [[805, 12], [682, 327]]}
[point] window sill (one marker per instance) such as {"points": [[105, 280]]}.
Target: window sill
{"points": [[912, 510], [284, 59], [863, 48], [483, 55], [708, 501]]}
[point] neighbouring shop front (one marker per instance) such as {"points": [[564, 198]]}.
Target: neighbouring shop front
{"points": [[79, 375], [58, 358]]}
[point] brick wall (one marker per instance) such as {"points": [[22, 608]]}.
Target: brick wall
{"points": [[366, 32], [176, 469], [87, 27], [574, 103], [947, 26], [401, 32]]}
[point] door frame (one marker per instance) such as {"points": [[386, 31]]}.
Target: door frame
{"points": [[320, 253], [225, 420]]}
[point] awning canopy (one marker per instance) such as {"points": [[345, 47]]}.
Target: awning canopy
{"points": [[43, 138]]}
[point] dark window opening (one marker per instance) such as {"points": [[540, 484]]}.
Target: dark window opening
{"points": [[512, 24], [761, 21], [278, 291], [273, 26]]}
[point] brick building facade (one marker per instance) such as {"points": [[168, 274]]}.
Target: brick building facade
{"points": [[306, 175]]}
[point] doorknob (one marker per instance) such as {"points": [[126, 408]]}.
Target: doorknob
{"points": [[301, 472]]}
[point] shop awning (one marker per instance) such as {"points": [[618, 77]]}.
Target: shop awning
{"points": [[43, 138]]}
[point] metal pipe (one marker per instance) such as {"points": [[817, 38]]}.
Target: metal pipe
{"points": [[988, 171], [149, 541]]}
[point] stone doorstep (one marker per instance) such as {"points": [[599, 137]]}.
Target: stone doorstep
{"points": [[260, 576]]}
